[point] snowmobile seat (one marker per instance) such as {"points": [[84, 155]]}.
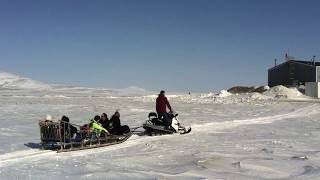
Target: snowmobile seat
{"points": [[157, 121], [152, 115]]}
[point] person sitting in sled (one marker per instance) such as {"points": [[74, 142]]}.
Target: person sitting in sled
{"points": [[115, 125], [67, 129], [97, 127], [162, 104], [104, 121]]}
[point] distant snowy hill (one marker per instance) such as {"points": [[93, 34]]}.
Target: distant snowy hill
{"points": [[12, 81], [132, 90], [9, 81]]}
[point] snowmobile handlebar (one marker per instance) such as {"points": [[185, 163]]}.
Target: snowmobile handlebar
{"points": [[174, 114]]}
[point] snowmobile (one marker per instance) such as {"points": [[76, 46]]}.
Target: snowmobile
{"points": [[155, 125], [55, 135]]}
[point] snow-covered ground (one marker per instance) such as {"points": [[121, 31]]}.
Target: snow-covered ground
{"points": [[234, 136]]}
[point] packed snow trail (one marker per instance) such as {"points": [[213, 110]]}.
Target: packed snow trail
{"points": [[216, 126], [24, 155]]}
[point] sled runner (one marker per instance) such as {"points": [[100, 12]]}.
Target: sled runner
{"points": [[155, 126], [55, 135]]}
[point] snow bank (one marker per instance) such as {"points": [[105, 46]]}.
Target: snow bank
{"points": [[259, 96], [11, 81], [247, 89], [209, 95], [269, 96], [225, 97], [224, 93], [284, 92]]}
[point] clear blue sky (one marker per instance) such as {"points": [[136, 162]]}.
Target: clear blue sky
{"points": [[177, 45]]}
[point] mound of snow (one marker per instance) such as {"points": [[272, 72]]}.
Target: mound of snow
{"points": [[11, 81], [241, 89], [259, 96], [261, 89], [209, 95], [224, 93], [284, 92], [247, 89], [266, 87]]}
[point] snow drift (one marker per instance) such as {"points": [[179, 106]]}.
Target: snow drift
{"points": [[284, 92], [268, 95]]}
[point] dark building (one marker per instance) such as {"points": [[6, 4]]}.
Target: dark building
{"points": [[294, 73]]}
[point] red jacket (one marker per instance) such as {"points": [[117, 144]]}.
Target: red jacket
{"points": [[162, 103]]}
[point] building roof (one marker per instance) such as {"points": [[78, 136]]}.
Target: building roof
{"points": [[308, 63]]}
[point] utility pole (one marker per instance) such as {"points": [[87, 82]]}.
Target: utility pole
{"points": [[314, 60], [275, 62]]}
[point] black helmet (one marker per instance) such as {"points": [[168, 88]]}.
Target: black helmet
{"points": [[104, 115], [117, 114], [162, 92], [97, 118], [65, 118]]}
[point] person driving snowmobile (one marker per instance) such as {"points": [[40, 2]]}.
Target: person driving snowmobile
{"points": [[161, 106]]}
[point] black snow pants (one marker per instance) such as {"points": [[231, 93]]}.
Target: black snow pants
{"points": [[165, 117]]}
